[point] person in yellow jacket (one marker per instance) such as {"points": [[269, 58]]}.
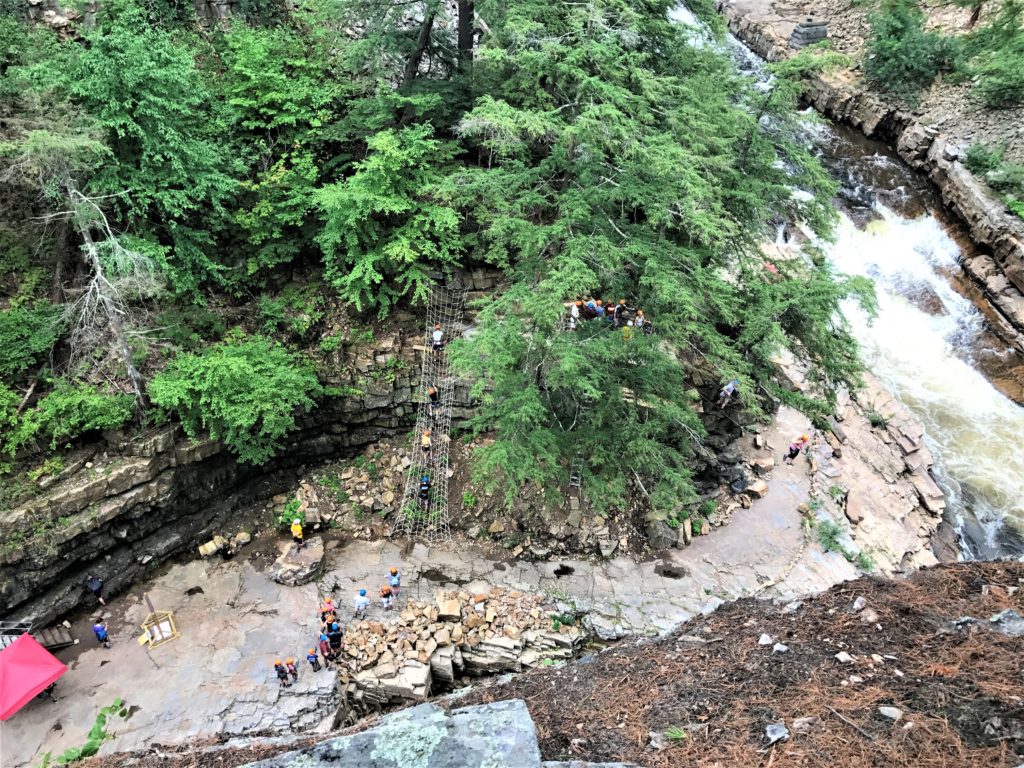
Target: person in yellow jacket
{"points": [[297, 532]]}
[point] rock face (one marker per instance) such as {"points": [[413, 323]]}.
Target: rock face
{"points": [[145, 499], [498, 735], [923, 147], [298, 565]]}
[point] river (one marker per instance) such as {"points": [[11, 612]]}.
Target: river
{"points": [[930, 342]]}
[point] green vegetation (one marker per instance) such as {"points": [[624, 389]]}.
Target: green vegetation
{"points": [[93, 741], [70, 410], [1005, 178], [291, 512], [468, 500], [828, 537], [877, 420], [904, 57], [222, 195], [675, 733], [243, 392], [26, 336]]}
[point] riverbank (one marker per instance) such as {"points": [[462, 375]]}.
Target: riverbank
{"points": [[931, 140]]}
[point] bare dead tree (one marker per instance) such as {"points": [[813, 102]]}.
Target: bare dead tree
{"points": [[118, 275], [99, 310]]}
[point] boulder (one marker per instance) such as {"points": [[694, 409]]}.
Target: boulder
{"points": [[660, 535], [449, 610], [758, 489], [854, 509], [498, 735], [299, 566]]}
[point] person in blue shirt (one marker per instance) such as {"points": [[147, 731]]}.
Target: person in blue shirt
{"points": [[100, 629], [394, 581], [314, 659]]}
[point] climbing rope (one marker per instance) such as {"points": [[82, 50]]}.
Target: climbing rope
{"points": [[432, 523]]}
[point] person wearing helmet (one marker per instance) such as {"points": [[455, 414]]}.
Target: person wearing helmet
{"points": [[425, 444], [394, 581], [325, 649], [326, 608], [425, 493], [282, 673], [619, 313], [385, 597], [727, 392], [334, 639], [289, 664], [361, 602], [574, 315], [640, 321], [437, 338], [297, 532], [795, 447], [314, 659]]}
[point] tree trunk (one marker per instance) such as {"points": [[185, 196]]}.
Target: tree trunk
{"points": [[412, 64], [466, 16]]}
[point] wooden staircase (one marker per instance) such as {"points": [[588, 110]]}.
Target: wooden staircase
{"points": [[51, 638]]}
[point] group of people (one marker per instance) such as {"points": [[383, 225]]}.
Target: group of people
{"points": [[331, 638], [618, 315]]}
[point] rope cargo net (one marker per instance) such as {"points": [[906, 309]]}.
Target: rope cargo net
{"points": [[430, 521]]}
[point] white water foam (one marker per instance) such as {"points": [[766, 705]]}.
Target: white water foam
{"points": [[923, 360]]}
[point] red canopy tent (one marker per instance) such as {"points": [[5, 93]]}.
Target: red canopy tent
{"points": [[26, 668]]}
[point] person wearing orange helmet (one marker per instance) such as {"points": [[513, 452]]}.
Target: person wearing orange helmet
{"points": [[574, 315], [282, 673], [394, 581], [326, 608], [385, 597], [314, 659], [289, 664]]}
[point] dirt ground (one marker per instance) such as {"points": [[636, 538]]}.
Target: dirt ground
{"points": [[705, 693], [961, 689]]}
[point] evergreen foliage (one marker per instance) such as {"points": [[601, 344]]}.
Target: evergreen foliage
{"points": [[994, 55], [385, 226], [26, 336], [902, 57], [244, 392], [584, 148], [647, 176], [69, 411]]}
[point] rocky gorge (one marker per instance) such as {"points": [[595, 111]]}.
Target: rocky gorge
{"points": [[934, 146]]}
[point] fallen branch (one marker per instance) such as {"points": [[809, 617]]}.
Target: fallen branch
{"points": [[852, 724]]}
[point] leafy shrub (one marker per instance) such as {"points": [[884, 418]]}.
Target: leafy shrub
{"points": [[26, 335], [1005, 178], [244, 393], [69, 411], [828, 536], [902, 57], [95, 738], [292, 511], [297, 310], [994, 55], [191, 328]]}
